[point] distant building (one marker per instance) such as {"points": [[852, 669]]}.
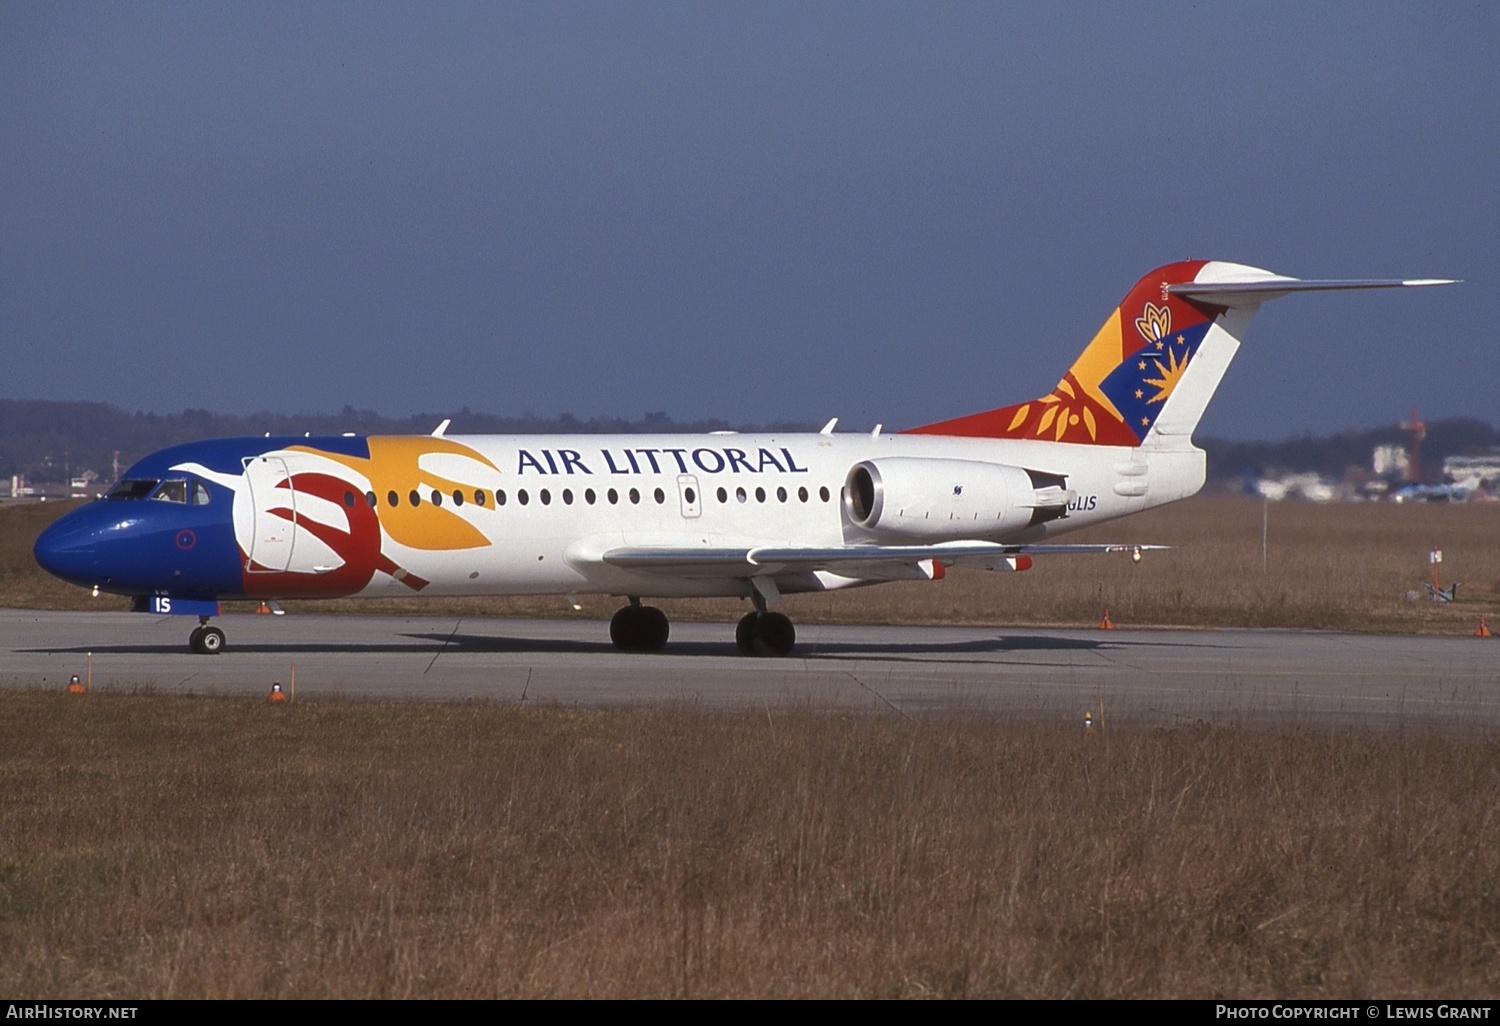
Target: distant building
{"points": [[1391, 461], [1297, 486], [1472, 472], [82, 485]]}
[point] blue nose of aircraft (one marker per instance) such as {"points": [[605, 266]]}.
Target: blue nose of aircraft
{"points": [[71, 547], [143, 547]]}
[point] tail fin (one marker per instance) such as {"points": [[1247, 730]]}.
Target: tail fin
{"points": [[1150, 371]]}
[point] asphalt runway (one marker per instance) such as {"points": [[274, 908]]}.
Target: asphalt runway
{"points": [[1155, 676]]}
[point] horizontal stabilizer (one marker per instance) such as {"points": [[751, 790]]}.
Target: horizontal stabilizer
{"points": [[1256, 290]]}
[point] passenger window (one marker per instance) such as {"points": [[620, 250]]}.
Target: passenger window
{"points": [[437, 497], [499, 497], [823, 493], [760, 495], [723, 495], [458, 497], [781, 495], [739, 494], [522, 497], [370, 499], [588, 496], [415, 497], [614, 496], [393, 498], [567, 496], [635, 496], [661, 497], [802, 494], [349, 499], [479, 497]]}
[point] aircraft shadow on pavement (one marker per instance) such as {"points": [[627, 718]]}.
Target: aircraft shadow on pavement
{"points": [[429, 643], [804, 650]]}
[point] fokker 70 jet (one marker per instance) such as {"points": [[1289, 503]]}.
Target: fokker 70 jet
{"points": [[642, 516]]}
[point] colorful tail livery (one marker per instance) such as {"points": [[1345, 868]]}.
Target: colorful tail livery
{"points": [[756, 517], [1153, 366]]}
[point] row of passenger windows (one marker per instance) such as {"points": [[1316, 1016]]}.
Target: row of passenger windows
{"points": [[544, 496]]}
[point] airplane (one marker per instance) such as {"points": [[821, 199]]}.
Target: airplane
{"points": [[652, 516]]}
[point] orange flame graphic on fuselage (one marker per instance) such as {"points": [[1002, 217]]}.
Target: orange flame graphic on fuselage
{"points": [[395, 467]]}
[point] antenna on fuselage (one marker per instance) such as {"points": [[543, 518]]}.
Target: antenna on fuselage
{"points": [[437, 432], [828, 428]]}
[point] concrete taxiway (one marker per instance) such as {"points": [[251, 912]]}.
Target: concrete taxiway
{"points": [[1157, 676]]}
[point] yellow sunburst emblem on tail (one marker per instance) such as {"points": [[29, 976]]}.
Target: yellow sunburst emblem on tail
{"points": [[1171, 374]]}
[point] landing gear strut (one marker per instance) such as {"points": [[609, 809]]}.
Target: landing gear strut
{"points": [[638, 628], [205, 639]]}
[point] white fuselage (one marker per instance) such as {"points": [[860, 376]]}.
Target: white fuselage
{"points": [[568, 499]]}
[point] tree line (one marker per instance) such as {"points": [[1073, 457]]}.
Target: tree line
{"points": [[48, 440]]}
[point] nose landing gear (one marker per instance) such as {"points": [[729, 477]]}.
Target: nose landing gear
{"points": [[206, 639]]}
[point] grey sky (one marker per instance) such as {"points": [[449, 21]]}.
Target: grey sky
{"points": [[761, 211]]}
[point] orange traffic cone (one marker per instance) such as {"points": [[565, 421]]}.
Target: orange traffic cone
{"points": [[1483, 631], [263, 608], [277, 695], [1105, 624], [75, 686]]}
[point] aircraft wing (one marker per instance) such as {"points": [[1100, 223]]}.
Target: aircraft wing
{"points": [[858, 561]]}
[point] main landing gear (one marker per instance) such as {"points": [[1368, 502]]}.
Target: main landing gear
{"points": [[638, 628], [206, 639], [765, 634]]}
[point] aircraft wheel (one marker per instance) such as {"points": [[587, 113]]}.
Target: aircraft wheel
{"points": [[765, 634], [655, 629], [744, 632], [774, 635], [639, 629], [622, 628], [207, 640]]}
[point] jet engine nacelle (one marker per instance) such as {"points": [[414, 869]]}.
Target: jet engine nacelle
{"points": [[940, 499]]}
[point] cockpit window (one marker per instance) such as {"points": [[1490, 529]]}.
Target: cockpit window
{"points": [[131, 488], [200, 493], [172, 491]]}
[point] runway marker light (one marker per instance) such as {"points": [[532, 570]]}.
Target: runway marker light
{"points": [[1105, 624], [277, 695], [1484, 630], [75, 686], [1088, 723]]}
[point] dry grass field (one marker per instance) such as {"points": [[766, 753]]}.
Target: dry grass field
{"points": [[1345, 566], [156, 846]]}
